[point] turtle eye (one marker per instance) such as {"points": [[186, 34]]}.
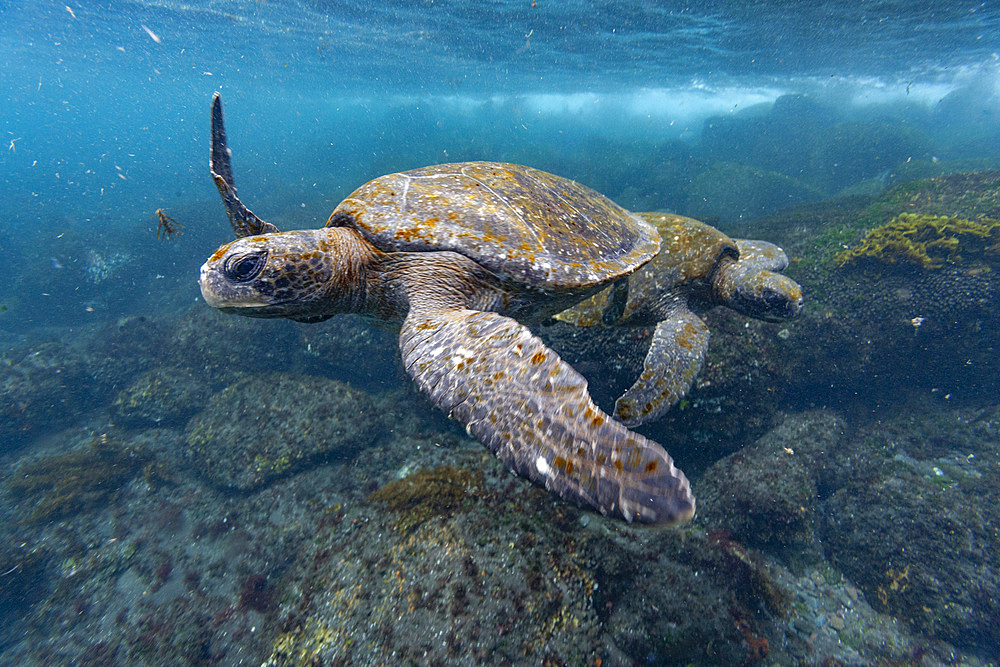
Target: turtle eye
{"points": [[245, 267]]}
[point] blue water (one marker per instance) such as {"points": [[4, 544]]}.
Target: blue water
{"points": [[100, 117], [104, 119]]}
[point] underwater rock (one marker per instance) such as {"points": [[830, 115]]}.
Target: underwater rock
{"points": [[26, 580], [918, 534], [968, 117], [164, 395], [123, 349], [729, 191], [778, 139], [41, 388], [271, 425], [764, 494], [488, 569], [729, 605], [817, 440], [225, 348], [735, 398], [851, 152]]}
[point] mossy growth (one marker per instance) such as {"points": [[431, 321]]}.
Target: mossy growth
{"points": [[929, 241], [70, 483], [429, 492]]}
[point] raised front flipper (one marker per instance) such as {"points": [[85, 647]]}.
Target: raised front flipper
{"points": [[242, 219], [762, 255], [533, 411], [675, 356]]}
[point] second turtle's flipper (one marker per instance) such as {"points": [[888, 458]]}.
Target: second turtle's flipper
{"points": [[242, 219], [533, 411], [762, 255], [676, 355]]}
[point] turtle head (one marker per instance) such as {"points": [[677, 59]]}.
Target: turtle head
{"points": [[305, 275], [765, 295], [752, 284]]}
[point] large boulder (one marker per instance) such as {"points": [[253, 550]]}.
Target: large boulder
{"points": [[267, 426]]}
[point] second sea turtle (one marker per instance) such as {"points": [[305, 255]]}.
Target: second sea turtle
{"points": [[460, 254], [697, 269]]}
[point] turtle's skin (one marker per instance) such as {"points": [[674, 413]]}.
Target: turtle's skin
{"points": [[458, 254], [697, 269]]}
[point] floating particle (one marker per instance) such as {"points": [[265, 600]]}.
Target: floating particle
{"points": [[152, 35]]}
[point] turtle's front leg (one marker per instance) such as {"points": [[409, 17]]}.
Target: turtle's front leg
{"points": [[533, 411], [676, 355]]}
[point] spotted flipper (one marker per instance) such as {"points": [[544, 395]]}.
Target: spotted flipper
{"points": [[242, 219], [676, 355], [533, 411]]}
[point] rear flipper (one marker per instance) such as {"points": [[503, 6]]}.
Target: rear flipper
{"points": [[676, 355], [533, 411]]}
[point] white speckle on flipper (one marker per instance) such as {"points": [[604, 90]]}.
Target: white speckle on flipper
{"points": [[543, 467], [461, 355]]}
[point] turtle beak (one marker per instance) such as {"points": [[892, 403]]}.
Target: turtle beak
{"points": [[210, 296]]}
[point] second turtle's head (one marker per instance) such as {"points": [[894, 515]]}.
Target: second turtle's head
{"points": [[767, 296], [306, 275], [753, 286]]}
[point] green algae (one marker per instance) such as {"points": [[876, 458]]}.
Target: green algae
{"points": [[929, 241], [67, 484], [428, 493]]}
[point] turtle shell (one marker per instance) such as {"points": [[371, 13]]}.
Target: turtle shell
{"points": [[691, 251], [525, 225]]}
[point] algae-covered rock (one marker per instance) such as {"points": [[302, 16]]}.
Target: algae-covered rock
{"points": [[267, 426], [163, 395], [59, 486], [881, 332], [929, 241], [498, 572], [426, 493]]}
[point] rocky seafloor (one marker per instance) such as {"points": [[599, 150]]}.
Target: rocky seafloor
{"points": [[193, 488]]}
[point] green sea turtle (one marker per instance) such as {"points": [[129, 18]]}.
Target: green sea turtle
{"points": [[698, 268], [458, 254]]}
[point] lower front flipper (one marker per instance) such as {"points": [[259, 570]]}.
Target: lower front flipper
{"points": [[533, 411], [676, 355]]}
